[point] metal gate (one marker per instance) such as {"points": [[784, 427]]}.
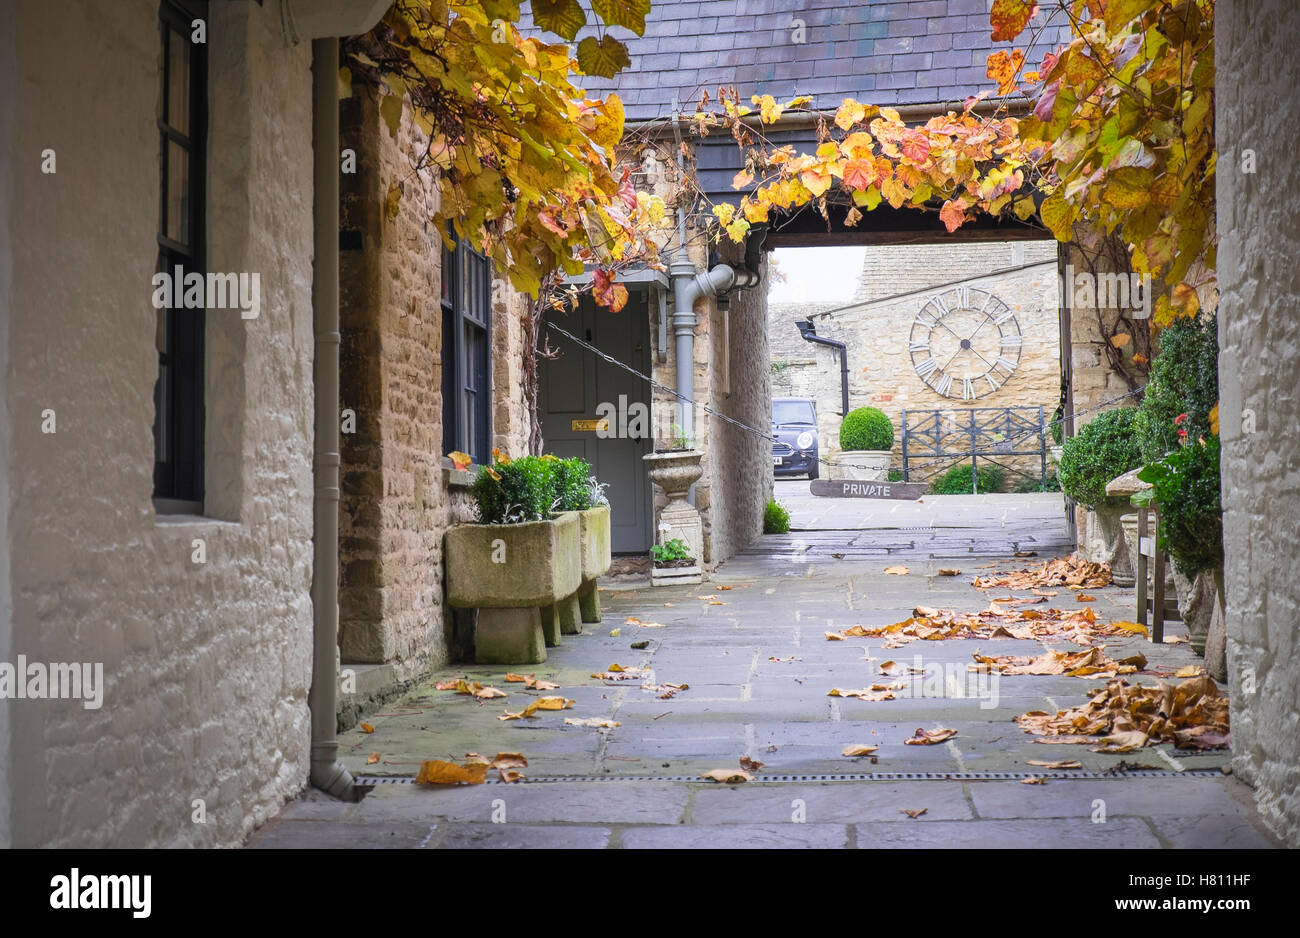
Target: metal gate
{"points": [[934, 440]]}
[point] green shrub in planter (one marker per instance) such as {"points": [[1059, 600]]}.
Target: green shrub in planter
{"points": [[776, 520], [1185, 486], [956, 481], [515, 492], [895, 475], [572, 480], [866, 428], [1184, 380], [1105, 448]]}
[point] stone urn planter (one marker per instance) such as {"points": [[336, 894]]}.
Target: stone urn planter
{"points": [[864, 465], [1196, 605], [1109, 546], [596, 558], [1124, 488], [675, 471], [516, 576]]}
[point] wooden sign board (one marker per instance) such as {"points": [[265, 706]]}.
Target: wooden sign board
{"points": [[845, 488]]}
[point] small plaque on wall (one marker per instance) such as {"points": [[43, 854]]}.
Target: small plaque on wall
{"points": [[596, 423]]}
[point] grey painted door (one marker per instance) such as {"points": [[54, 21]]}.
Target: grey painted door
{"points": [[571, 388]]}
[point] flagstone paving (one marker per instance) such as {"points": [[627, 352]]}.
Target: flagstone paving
{"points": [[759, 669]]}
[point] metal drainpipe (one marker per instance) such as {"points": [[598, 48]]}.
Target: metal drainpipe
{"points": [[327, 773], [808, 332]]}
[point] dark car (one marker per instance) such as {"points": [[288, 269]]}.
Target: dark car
{"points": [[794, 424]]}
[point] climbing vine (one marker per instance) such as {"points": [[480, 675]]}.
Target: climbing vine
{"points": [[525, 162], [1120, 139]]}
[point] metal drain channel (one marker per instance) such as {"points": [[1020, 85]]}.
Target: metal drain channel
{"points": [[373, 780]]}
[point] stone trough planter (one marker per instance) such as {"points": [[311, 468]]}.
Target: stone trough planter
{"points": [[596, 558], [518, 577]]}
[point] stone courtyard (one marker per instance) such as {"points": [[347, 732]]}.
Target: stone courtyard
{"points": [[750, 645]]}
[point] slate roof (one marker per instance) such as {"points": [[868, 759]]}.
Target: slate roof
{"points": [[905, 52]]}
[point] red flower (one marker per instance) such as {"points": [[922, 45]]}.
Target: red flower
{"points": [[1182, 434], [1180, 420]]}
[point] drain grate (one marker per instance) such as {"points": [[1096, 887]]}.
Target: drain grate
{"points": [[374, 780]]}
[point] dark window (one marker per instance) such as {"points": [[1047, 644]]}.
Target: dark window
{"points": [[182, 131], [466, 355]]}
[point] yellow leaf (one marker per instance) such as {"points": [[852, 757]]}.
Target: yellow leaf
{"points": [[834, 637], [372, 758], [367, 728], [897, 571], [509, 760], [390, 109], [858, 750], [849, 113], [436, 772], [1133, 627], [727, 776]]}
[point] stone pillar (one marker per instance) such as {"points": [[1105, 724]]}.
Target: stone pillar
{"points": [[1259, 342]]}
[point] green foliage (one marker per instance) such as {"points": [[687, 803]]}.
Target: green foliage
{"points": [[895, 475], [675, 549], [776, 520], [1057, 425], [957, 481], [571, 480], [1028, 484], [1105, 448], [866, 428], [1185, 485], [1184, 380], [515, 492]]}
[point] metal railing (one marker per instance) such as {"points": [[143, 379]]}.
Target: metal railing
{"points": [[940, 439]]}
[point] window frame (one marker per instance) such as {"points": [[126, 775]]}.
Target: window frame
{"points": [[180, 413], [466, 303]]}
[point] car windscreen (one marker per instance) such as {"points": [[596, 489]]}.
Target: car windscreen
{"points": [[787, 412]]}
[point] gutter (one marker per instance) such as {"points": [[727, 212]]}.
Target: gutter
{"points": [[327, 773], [808, 332]]}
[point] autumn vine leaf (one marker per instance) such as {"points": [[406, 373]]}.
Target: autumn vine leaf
{"points": [[524, 160]]}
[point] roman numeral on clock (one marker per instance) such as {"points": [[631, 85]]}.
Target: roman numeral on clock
{"points": [[926, 367], [1006, 363], [967, 389], [944, 384], [1011, 341]]}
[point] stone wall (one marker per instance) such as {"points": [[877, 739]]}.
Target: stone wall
{"points": [[1259, 408], [397, 499], [740, 462], [206, 666], [896, 281]]}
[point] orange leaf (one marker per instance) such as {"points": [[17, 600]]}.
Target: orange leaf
{"points": [[436, 772], [1010, 17]]}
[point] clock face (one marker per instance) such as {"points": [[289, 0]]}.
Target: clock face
{"points": [[965, 343]]}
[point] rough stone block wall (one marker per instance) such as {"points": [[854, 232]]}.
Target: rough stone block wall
{"points": [[396, 499], [206, 666], [876, 327], [1259, 406], [740, 462]]}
